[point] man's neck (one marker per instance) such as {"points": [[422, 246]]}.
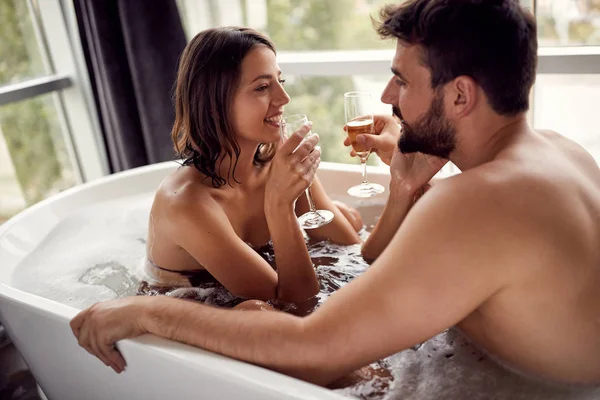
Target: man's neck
{"points": [[482, 142]]}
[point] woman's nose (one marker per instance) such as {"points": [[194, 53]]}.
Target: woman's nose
{"points": [[282, 98]]}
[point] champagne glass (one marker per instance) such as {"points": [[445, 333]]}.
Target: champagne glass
{"points": [[313, 218], [359, 120]]}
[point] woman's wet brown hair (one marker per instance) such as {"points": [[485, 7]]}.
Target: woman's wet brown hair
{"points": [[207, 79]]}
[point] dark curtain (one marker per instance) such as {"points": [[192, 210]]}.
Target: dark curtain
{"points": [[132, 48]]}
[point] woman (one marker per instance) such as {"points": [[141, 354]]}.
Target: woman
{"points": [[238, 186]]}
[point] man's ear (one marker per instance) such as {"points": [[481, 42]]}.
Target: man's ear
{"points": [[463, 93]]}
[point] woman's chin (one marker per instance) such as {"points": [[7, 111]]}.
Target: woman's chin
{"points": [[271, 135], [272, 140]]}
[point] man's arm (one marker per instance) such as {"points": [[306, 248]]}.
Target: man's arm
{"points": [[395, 210], [410, 175], [448, 257]]}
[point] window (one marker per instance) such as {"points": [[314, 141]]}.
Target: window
{"points": [[568, 22], [40, 107], [299, 28], [39, 154], [22, 55], [321, 98], [568, 104], [294, 25], [323, 25], [329, 47]]}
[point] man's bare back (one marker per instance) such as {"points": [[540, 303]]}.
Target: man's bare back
{"points": [[547, 317]]}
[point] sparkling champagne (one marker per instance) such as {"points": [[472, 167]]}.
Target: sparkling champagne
{"points": [[359, 127]]}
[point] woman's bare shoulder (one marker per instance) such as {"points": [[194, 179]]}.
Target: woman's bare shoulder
{"points": [[184, 191]]}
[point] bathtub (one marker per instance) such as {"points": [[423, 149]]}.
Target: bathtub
{"points": [[157, 368]]}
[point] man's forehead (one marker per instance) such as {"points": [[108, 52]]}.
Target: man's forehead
{"points": [[406, 56], [409, 62]]}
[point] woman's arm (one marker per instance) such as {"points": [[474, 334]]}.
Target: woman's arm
{"points": [[291, 171], [198, 224], [205, 232], [296, 274]]}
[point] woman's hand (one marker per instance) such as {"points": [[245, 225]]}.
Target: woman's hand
{"points": [[293, 168]]}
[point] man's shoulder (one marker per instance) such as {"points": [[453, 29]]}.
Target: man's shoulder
{"points": [[496, 181], [494, 195]]}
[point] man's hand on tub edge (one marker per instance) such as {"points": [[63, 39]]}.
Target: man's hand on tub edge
{"points": [[99, 327]]}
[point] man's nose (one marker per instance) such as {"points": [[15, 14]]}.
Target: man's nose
{"points": [[388, 96]]}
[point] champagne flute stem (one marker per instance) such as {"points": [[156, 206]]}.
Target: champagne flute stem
{"points": [[363, 164], [311, 203]]}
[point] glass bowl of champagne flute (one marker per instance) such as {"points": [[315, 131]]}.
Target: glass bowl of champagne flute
{"points": [[359, 120], [313, 218]]}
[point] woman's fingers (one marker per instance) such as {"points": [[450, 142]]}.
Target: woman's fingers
{"points": [[305, 148], [311, 158], [310, 164], [310, 175], [295, 139]]}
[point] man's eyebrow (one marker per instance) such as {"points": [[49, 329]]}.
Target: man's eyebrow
{"points": [[265, 76], [398, 74]]}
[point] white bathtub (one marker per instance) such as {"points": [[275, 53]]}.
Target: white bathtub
{"points": [[157, 368]]}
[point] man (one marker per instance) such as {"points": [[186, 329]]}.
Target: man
{"points": [[507, 251]]}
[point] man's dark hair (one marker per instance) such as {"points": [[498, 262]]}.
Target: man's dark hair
{"points": [[492, 41]]}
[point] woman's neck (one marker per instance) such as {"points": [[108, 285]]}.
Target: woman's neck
{"points": [[244, 165]]}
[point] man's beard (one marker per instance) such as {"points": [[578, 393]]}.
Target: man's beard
{"points": [[431, 134]]}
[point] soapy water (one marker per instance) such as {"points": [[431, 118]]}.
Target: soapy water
{"points": [[92, 255], [112, 275], [98, 252]]}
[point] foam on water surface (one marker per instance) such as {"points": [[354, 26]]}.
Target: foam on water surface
{"points": [[449, 366], [92, 255], [113, 276]]}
